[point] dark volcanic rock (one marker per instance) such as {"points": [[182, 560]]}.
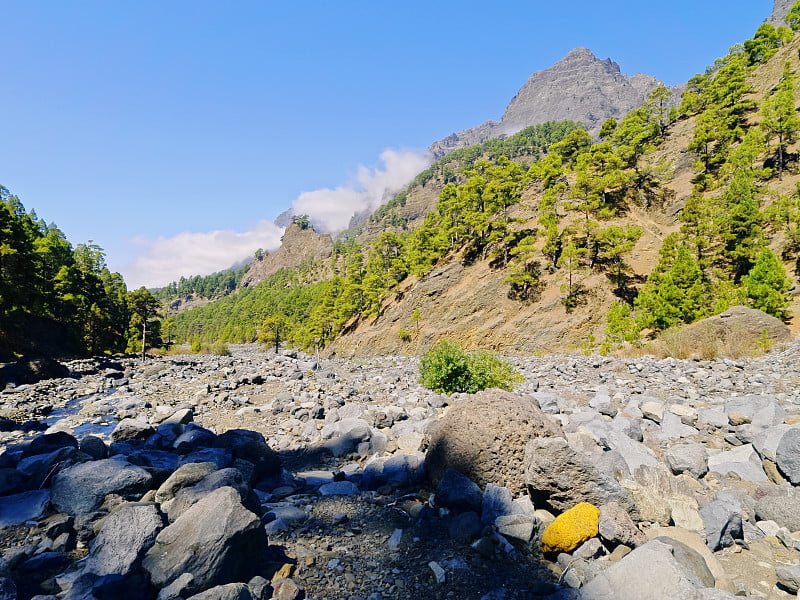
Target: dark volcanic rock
{"points": [[50, 442], [484, 436], [81, 488], [32, 369], [124, 538], [561, 477], [26, 506], [251, 446], [457, 492], [231, 537]]}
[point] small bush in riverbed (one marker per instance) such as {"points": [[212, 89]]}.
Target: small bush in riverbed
{"points": [[220, 349], [446, 368]]}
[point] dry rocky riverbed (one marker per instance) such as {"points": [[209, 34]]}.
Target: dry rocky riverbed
{"points": [[279, 476]]}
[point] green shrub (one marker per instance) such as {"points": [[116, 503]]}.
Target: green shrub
{"points": [[220, 349], [196, 346], [446, 368]]}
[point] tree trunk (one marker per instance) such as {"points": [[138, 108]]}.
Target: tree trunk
{"points": [[144, 336]]}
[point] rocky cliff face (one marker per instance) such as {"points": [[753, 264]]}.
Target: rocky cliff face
{"points": [[298, 246], [579, 87], [779, 12]]}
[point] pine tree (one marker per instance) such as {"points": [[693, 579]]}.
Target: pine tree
{"points": [[766, 285], [779, 115], [677, 294]]}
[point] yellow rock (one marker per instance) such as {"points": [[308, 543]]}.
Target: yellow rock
{"points": [[571, 528]]}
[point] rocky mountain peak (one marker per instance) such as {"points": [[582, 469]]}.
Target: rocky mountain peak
{"points": [[779, 12], [580, 87], [298, 245]]}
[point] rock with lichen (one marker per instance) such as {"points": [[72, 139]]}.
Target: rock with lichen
{"points": [[571, 528]]}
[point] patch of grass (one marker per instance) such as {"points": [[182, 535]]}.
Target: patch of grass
{"points": [[702, 344]]}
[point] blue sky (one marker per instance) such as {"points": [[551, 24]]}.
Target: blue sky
{"points": [[169, 132]]}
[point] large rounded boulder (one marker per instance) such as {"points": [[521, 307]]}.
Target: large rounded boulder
{"points": [[484, 437]]}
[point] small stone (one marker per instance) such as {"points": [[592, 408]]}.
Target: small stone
{"points": [[438, 572], [590, 549], [339, 488], [619, 553], [393, 543], [484, 546], [617, 527], [286, 589], [519, 527]]}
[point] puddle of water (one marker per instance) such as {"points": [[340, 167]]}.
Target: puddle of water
{"points": [[72, 407]]}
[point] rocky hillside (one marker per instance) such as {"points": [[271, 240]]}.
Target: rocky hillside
{"points": [[299, 245], [779, 12], [260, 476], [580, 87], [469, 301]]}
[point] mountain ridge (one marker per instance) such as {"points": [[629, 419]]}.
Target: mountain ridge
{"points": [[580, 87]]}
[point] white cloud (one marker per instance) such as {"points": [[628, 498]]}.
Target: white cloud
{"points": [[330, 210], [188, 254], [164, 260]]}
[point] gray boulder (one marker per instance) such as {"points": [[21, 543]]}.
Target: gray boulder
{"points": [[232, 540], [50, 442], [722, 520], [789, 577], [94, 447], [399, 471], [766, 441], [251, 446], [185, 476], [561, 478], [484, 437], [743, 461], [40, 469], [616, 526], [27, 506], [692, 561], [11, 482], [189, 496], [652, 567], [124, 538], [221, 457], [8, 589], [457, 492], [497, 502], [193, 438], [346, 436], [633, 453], [687, 458], [782, 506], [788, 455], [80, 489], [131, 429]]}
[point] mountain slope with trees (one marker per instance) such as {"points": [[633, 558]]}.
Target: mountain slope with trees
{"points": [[674, 214]]}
